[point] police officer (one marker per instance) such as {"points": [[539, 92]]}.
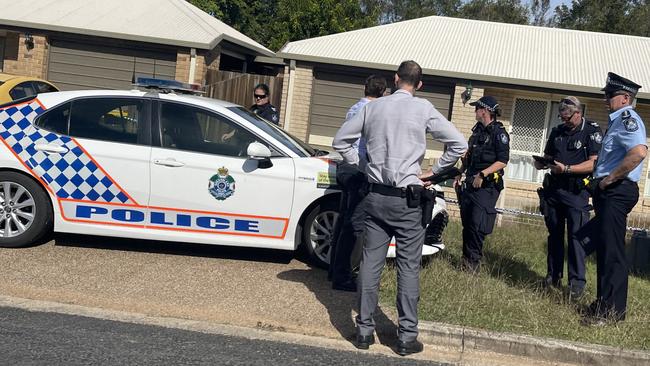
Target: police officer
{"points": [[617, 172], [350, 225], [395, 129], [572, 147], [262, 106], [488, 154]]}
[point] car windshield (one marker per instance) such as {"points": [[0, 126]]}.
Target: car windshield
{"points": [[295, 144]]}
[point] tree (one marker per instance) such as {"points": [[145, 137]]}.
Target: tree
{"points": [[608, 16], [503, 11], [538, 13], [301, 19]]}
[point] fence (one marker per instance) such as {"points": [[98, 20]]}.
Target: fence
{"points": [[526, 211], [237, 88]]}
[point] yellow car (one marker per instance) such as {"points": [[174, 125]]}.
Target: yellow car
{"points": [[14, 87]]}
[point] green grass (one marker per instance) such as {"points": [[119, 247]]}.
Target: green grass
{"points": [[507, 296]]}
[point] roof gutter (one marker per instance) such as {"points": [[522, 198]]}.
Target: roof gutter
{"points": [[457, 75]]}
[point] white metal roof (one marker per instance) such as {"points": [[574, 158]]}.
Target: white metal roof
{"points": [[170, 22], [479, 50]]}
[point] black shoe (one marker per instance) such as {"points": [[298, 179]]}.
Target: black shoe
{"points": [[470, 267], [349, 285], [409, 348], [575, 291], [364, 342], [550, 281]]}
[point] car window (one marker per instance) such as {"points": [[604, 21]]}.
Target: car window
{"points": [[42, 87], [188, 128], [55, 120], [293, 143], [22, 90], [107, 119]]}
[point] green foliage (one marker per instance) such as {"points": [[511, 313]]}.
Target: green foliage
{"points": [[275, 22], [608, 16], [503, 11]]}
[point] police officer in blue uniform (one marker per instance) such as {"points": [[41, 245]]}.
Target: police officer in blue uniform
{"points": [[262, 106], [488, 154], [616, 192], [571, 151]]}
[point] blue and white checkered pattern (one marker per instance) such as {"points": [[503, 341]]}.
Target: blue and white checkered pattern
{"points": [[70, 175]]}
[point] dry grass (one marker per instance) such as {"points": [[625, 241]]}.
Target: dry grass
{"points": [[507, 295]]}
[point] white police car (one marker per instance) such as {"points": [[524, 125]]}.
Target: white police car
{"points": [[164, 166]]}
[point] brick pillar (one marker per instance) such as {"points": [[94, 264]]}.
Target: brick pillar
{"points": [[21, 60]]}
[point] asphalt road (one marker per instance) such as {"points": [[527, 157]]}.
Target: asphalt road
{"points": [[38, 338]]}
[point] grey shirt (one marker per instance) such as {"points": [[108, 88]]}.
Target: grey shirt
{"points": [[395, 128]]}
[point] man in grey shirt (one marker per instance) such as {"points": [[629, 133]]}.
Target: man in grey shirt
{"points": [[395, 128]]}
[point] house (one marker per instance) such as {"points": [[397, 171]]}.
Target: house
{"points": [[528, 69], [91, 44]]}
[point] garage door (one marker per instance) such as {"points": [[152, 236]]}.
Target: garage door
{"points": [[334, 92], [76, 65]]}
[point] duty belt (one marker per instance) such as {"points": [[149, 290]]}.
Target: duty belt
{"points": [[388, 190]]}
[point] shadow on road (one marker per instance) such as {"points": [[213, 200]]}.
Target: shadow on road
{"points": [[339, 305], [174, 248]]}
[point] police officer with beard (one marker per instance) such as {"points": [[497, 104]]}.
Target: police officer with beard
{"points": [[570, 153], [488, 154]]}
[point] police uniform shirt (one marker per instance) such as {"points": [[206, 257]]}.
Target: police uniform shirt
{"points": [[574, 146], [487, 145], [267, 111], [394, 128], [624, 131]]}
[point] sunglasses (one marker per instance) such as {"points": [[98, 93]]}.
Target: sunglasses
{"points": [[565, 119], [567, 102], [259, 96]]}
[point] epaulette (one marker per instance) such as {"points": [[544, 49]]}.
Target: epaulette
{"points": [[594, 124], [626, 114], [475, 126]]}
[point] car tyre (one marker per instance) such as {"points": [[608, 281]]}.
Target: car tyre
{"points": [[318, 232], [25, 211]]}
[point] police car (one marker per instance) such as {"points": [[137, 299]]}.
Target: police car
{"points": [[161, 165]]}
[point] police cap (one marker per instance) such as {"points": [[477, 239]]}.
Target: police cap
{"points": [[615, 83], [487, 102]]}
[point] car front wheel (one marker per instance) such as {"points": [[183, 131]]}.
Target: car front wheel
{"points": [[318, 232], [25, 211]]}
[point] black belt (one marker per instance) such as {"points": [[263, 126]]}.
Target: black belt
{"points": [[388, 190]]}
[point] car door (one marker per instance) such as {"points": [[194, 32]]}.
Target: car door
{"points": [[97, 161], [204, 187]]}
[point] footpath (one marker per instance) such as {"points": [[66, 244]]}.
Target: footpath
{"points": [[253, 293]]}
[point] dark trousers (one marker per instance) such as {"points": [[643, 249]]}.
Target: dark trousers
{"points": [[350, 226], [478, 214], [557, 216], [612, 207]]}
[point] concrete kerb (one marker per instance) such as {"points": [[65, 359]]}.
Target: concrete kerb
{"points": [[552, 350]]}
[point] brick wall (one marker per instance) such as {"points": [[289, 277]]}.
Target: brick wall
{"points": [[21, 61], [463, 116], [205, 60], [302, 88]]}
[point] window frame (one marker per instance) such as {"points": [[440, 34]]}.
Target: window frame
{"points": [[156, 129], [546, 130], [144, 123], [3, 44]]}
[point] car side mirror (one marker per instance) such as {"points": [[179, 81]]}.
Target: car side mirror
{"points": [[261, 153]]}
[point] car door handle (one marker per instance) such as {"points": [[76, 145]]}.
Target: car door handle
{"points": [[51, 148], [171, 162]]}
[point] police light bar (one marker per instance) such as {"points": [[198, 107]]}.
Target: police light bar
{"points": [[169, 85]]}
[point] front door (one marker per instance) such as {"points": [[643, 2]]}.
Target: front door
{"points": [[204, 188]]}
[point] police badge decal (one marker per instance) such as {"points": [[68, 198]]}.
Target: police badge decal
{"points": [[221, 185]]}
